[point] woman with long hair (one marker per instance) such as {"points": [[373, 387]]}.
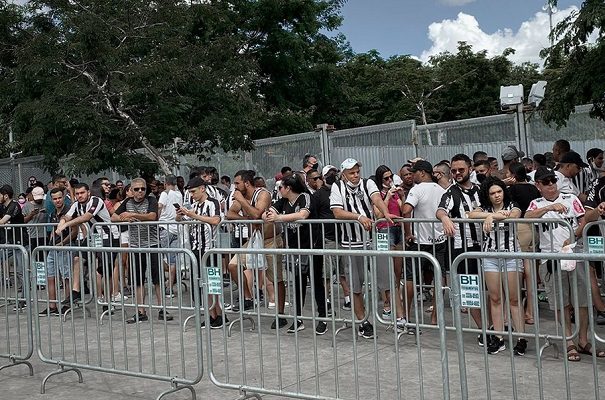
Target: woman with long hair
{"points": [[295, 205], [496, 207], [390, 194]]}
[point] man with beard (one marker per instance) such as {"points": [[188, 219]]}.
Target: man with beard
{"points": [[482, 171], [461, 198]]}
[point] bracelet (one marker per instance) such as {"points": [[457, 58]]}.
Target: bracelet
{"points": [[358, 218]]}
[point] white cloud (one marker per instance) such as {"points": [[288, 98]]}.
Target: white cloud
{"points": [[531, 37], [455, 3]]}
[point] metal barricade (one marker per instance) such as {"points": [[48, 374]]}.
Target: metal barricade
{"points": [[16, 335], [549, 376], [140, 346], [302, 364]]}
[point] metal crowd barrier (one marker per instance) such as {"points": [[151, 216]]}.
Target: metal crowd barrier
{"points": [[16, 339], [304, 364], [157, 349]]}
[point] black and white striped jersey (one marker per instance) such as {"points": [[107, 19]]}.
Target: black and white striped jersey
{"points": [[457, 202], [356, 200], [201, 234], [100, 215], [502, 237]]}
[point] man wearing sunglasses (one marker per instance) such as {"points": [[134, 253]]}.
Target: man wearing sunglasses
{"points": [[567, 207], [461, 198]]}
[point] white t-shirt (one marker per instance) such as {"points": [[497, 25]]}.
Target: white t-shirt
{"points": [[552, 236], [167, 200], [566, 185], [425, 198]]}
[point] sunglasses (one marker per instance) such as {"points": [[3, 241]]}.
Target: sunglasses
{"points": [[458, 170], [548, 181], [139, 189], [316, 178], [387, 178]]}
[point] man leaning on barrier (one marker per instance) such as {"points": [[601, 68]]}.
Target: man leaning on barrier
{"points": [[84, 213], [141, 208], [58, 261], [353, 198], [253, 202], [553, 237]]}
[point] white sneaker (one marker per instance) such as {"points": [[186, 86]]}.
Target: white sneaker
{"points": [[118, 297], [271, 306]]}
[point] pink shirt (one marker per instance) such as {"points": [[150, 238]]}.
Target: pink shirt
{"points": [[393, 208]]}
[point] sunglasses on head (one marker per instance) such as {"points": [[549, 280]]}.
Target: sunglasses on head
{"points": [[139, 189]]}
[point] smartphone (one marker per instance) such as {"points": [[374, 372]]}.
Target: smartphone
{"points": [[176, 205]]}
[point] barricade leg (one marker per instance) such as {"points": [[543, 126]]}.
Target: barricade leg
{"points": [[61, 370]]}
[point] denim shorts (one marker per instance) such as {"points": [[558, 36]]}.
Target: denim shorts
{"points": [[169, 240], [61, 261], [502, 264]]}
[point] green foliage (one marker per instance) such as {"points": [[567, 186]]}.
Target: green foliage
{"points": [[574, 66]]}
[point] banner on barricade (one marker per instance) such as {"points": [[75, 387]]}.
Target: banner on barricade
{"points": [[40, 273], [596, 245], [215, 280], [470, 291], [382, 241]]}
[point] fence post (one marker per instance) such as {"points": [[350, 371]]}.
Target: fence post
{"points": [[325, 144]]}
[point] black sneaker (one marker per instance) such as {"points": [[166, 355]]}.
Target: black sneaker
{"points": [[138, 317], [321, 328], [49, 311], [248, 305], [106, 309], [86, 289], [347, 305], [497, 345], [366, 330], [490, 338], [296, 326], [162, 315], [203, 325], [20, 305], [218, 322], [65, 309], [76, 297], [520, 347], [282, 322], [600, 318]]}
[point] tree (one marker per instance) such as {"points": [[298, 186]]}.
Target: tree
{"points": [[91, 82], [574, 66]]}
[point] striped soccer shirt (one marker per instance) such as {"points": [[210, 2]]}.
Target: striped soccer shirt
{"points": [[100, 215], [356, 200]]}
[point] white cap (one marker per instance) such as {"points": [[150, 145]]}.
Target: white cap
{"points": [[327, 169], [349, 163], [38, 193]]}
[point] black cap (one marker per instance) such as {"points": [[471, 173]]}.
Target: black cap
{"points": [[195, 182], [543, 173], [572, 157], [422, 165]]}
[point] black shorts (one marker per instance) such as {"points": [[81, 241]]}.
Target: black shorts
{"points": [[142, 261], [438, 250], [469, 265], [105, 260]]}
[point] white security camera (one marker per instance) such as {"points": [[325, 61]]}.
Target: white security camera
{"points": [[536, 94], [511, 96]]}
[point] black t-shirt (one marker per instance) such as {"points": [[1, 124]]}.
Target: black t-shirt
{"points": [[55, 218], [320, 202], [523, 194], [294, 230], [13, 235]]}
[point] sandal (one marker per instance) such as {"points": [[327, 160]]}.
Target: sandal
{"points": [[529, 321], [586, 349], [572, 353]]}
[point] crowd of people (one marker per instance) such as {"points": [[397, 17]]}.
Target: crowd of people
{"points": [[561, 185]]}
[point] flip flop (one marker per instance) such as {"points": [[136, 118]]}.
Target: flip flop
{"points": [[587, 349], [529, 321], [572, 353]]}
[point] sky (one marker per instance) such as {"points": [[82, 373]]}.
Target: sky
{"points": [[423, 28]]}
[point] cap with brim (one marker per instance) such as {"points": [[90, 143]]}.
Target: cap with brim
{"points": [[327, 169], [349, 163], [510, 153], [422, 165], [38, 193], [572, 157], [195, 182], [544, 173]]}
